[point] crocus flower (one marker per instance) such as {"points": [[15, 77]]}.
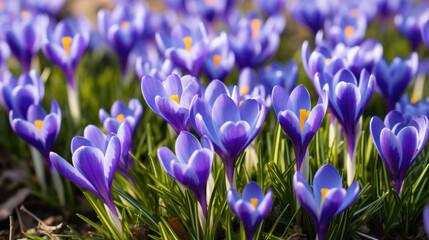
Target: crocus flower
{"points": [[253, 41], [19, 94], [387, 7], [426, 219], [347, 101], [66, 45], [231, 126], [191, 165], [119, 112], [249, 86], [25, 37], [92, 169], [185, 47], [327, 199], [38, 128], [220, 60], [270, 8], [94, 137], [393, 80], [50, 7], [364, 56], [161, 70], [399, 142], [408, 23], [207, 9], [347, 29], [412, 106], [121, 29], [297, 119], [311, 13], [171, 99], [277, 74], [251, 208]]}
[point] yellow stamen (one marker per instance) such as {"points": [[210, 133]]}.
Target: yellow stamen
{"points": [[414, 100], [210, 3], [120, 117], [255, 26], [188, 41], [303, 114], [66, 41], [354, 12], [38, 124], [241, 102], [175, 98], [324, 191], [348, 31], [216, 60], [328, 61], [254, 202], [244, 90], [124, 24]]}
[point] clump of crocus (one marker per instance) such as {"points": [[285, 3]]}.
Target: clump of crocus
{"points": [[65, 47], [171, 98], [393, 80], [185, 47], [220, 60], [254, 41], [119, 112], [229, 124], [25, 38], [92, 169], [298, 120], [399, 143], [251, 208], [327, 199], [191, 166], [122, 28], [347, 101]]}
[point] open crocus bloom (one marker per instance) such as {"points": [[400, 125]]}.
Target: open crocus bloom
{"points": [[399, 143], [171, 99], [220, 60], [251, 208], [191, 166], [119, 112], [92, 169], [327, 199]]}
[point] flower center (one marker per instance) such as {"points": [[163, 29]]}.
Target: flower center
{"points": [[241, 102], [38, 124], [120, 117], [324, 191], [414, 100], [303, 114], [255, 26], [216, 60], [188, 41], [328, 61], [66, 41], [348, 31], [124, 24], [254, 202], [244, 90], [175, 98]]}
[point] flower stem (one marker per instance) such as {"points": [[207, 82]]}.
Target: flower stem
{"points": [[116, 222], [305, 165], [39, 168], [73, 98], [58, 186]]}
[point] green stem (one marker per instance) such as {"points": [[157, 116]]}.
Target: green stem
{"points": [[39, 168]]}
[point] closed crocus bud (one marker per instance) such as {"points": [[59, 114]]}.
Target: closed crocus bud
{"points": [[327, 199], [191, 165], [251, 208], [399, 143], [119, 112], [171, 99]]}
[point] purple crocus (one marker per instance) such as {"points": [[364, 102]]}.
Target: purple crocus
{"points": [[298, 120], [230, 125], [412, 106], [251, 208], [66, 45], [191, 166], [207, 9], [347, 29], [364, 56], [171, 99], [121, 29], [311, 13], [94, 137], [399, 143], [347, 101], [92, 169], [393, 80], [25, 38], [277, 74], [408, 23], [220, 60], [253, 41], [270, 8], [119, 112], [38, 128], [249, 86], [19, 94], [327, 199], [50, 7], [185, 47], [159, 70]]}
